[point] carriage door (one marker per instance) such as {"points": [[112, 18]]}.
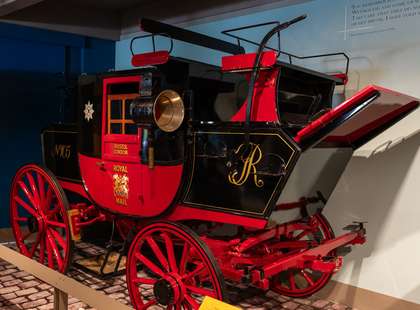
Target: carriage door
{"points": [[120, 145]]}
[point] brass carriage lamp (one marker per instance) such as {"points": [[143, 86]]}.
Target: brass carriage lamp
{"points": [[164, 111]]}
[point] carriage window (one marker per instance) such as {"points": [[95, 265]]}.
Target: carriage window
{"points": [[218, 99], [301, 96], [119, 121]]}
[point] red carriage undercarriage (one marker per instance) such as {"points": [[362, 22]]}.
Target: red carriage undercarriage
{"points": [[232, 192]]}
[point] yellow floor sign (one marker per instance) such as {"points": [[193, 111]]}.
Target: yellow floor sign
{"points": [[214, 304]]}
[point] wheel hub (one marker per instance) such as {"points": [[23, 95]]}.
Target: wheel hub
{"points": [[164, 292]]}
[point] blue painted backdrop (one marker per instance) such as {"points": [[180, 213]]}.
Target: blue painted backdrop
{"points": [[32, 95]]}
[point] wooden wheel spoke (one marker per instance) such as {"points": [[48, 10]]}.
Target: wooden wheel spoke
{"points": [[200, 268], [186, 305], [158, 253], [147, 281], [41, 189], [55, 251], [155, 269], [191, 301], [307, 277], [27, 193], [170, 251], [34, 246], [201, 291], [292, 281], [56, 224], [34, 188], [302, 234], [184, 258], [25, 206], [49, 254], [302, 282], [48, 197], [195, 274], [59, 238], [34, 192], [21, 219], [53, 211]]}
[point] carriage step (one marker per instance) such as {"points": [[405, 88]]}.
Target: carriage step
{"points": [[344, 250], [332, 264], [105, 265], [355, 227]]}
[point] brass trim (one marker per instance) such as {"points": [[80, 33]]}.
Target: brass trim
{"points": [[168, 100]]}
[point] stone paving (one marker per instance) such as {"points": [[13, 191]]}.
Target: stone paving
{"points": [[20, 290]]}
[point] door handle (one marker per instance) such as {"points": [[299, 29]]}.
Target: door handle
{"points": [[101, 165]]}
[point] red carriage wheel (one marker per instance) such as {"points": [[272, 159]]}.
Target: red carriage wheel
{"points": [[38, 215], [305, 282], [180, 269]]}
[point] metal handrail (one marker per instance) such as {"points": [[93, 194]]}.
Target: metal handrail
{"points": [[319, 56], [63, 285], [153, 41], [228, 32]]}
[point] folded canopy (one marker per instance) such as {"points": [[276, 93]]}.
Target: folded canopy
{"points": [[358, 119]]}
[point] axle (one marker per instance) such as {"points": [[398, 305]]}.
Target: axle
{"points": [[315, 258], [263, 256]]}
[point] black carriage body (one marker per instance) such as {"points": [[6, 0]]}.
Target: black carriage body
{"points": [[213, 140], [211, 147], [231, 174], [60, 149]]}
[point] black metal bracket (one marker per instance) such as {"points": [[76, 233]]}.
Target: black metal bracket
{"points": [[177, 33], [356, 226], [256, 66], [228, 32]]}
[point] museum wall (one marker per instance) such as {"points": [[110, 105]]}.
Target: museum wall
{"points": [[381, 183], [33, 95]]}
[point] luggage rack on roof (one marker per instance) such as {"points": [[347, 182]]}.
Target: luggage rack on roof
{"points": [[153, 35], [229, 32], [155, 28], [150, 58]]}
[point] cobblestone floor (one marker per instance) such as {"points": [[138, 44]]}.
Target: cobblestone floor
{"points": [[20, 290]]}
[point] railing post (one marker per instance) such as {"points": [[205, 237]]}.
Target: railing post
{"points": [[60, 300]]}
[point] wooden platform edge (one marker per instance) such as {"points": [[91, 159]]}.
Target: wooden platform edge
{"points": [[60, 281]]}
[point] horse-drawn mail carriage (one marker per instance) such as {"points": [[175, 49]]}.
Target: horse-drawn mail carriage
{"points": [[211, 174]]}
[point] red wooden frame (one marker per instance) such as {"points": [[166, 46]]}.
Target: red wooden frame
{"points": [[235, 253], [106, 83], [120, 184], [374, 113]]}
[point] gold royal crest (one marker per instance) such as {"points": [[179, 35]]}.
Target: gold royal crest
{"points": [[120, 185]]}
